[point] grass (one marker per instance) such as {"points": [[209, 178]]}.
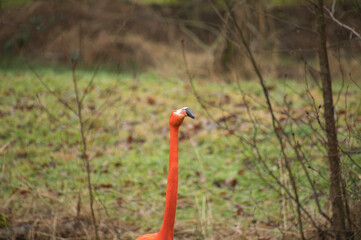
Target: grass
{"points": [[220, 187]]}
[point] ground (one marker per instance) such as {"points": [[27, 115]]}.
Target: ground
{"points": [[222, 190]]}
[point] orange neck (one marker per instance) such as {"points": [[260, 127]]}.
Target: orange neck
{"points": [[167, 229]]}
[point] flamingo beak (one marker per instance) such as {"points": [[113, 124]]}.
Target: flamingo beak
{"points": [[189, 113]]}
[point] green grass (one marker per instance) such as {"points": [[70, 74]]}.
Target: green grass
{"points": [[129, 147]]}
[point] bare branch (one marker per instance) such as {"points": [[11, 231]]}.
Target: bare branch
{"points": [[89, 83], [310, 181], [65, 104], [51, 116], [342, 24], [84, 155], [275, 123]]}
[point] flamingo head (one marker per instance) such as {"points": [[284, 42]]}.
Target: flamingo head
{"points": [[177, 116]]}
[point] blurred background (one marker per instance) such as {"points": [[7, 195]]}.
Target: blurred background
{"points": [[86, 88], [143, 35]]}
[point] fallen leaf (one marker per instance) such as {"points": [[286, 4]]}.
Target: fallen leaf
{"points": [[118, 164], [91, 107], [271, 87], [150, 100], [226, 99], [217, 183], [98, 154], [197, 126], [239, 212], [104, 185], [129, 139], [119, 201], [232, 182], [24, 192]]}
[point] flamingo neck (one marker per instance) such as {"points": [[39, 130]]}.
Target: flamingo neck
{"points": [[167, 230]]}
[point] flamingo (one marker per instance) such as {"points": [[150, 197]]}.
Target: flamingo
{"points": [[166, 231]]}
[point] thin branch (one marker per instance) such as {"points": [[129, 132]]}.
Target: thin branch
{"points": [[84, 155], [101, 110], [350, 157], [51, 116], [115, 228], [65, 104], [342, 75], [342, 24], [315, 108], [356, 84], [89, 83], [6, 145], [203, 103], [310, 180], [275, 123]]}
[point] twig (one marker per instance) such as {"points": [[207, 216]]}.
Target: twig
{"points": [[311, 182], [89, 83], [51, 116], [65, 104], [356, 84], [6, 145], [101, 110], [53, 237], [342, 24], [200, 100], [342, 75], [84, 155], [275, 123], [107, 213], [350, 157], [315, 108]]}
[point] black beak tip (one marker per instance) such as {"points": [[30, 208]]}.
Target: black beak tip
{"points": [[189, 113]]}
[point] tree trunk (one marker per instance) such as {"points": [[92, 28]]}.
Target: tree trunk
{"points": [[338, 215]]}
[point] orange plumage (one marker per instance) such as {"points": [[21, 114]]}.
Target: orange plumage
{"points": [[167, 230], [151, 236]]}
